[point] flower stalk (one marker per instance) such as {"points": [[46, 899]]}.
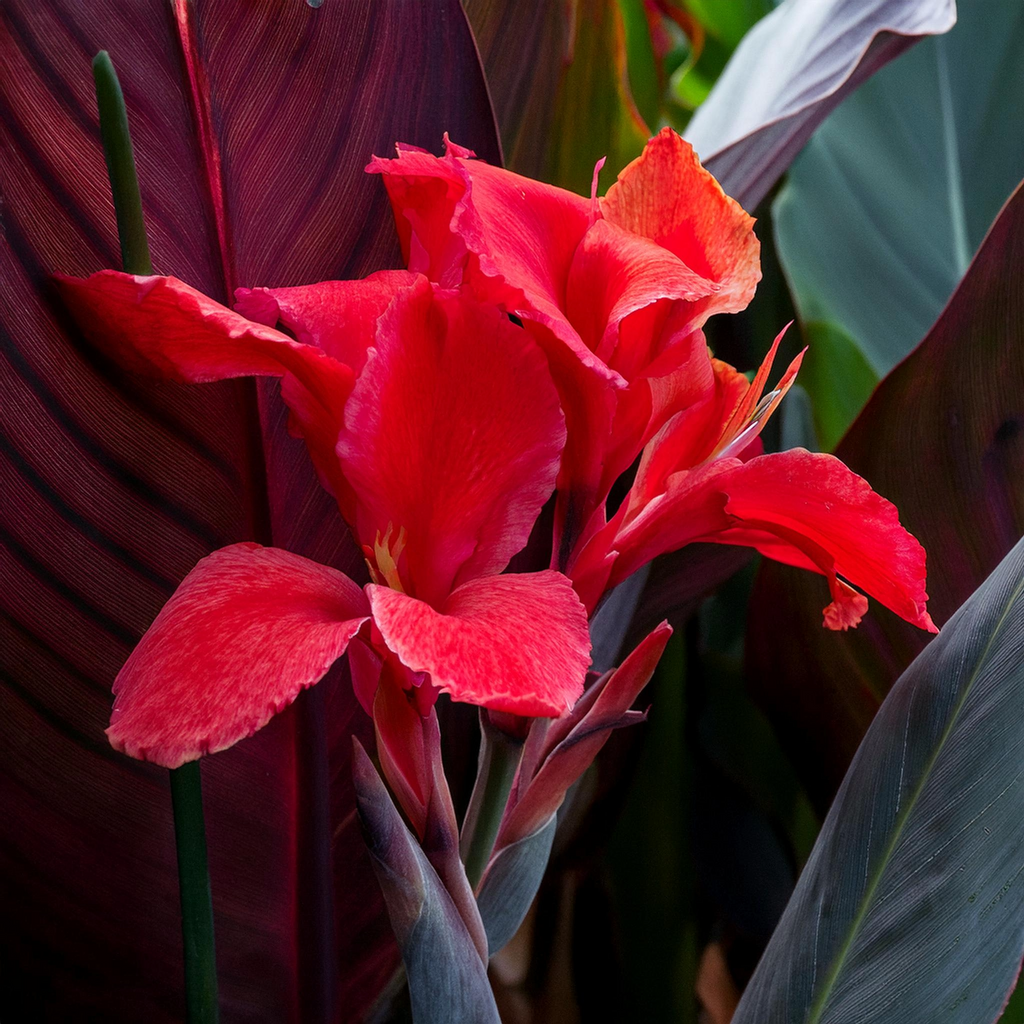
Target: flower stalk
{"points": [[500, 754], [194, 889], [186, 782]]}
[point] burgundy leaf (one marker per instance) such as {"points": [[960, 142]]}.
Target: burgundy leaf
{"points": [[943, 438], [557, 73], [524, 78], [251, 125]]}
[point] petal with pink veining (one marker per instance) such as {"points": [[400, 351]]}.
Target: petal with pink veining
{"points": [[516, 642], [247, 630]]}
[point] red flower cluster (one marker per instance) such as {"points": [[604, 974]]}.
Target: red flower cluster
{"points": [[539, 342]]}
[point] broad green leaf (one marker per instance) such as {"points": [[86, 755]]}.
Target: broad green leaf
{"points": [[837, 377], [889, 200], [728, 22], [911, 907], [791, 69]]}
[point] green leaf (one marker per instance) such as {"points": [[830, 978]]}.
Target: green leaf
{"points": [[837, 377], [729, 22], [887, 204], [911, 907], [788, 73]]}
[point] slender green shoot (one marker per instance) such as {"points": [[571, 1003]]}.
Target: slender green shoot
{"points": [[186, 784], [117, 148]]}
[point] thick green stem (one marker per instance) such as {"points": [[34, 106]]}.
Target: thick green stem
{"points": [[124, 183], [186, 784], [499, 759], [194, 888]]}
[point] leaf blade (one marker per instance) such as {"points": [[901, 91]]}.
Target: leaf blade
{"points": [[903, 933], [898, 214], [788, 73]]}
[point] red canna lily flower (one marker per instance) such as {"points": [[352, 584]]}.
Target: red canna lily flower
{"points": [[616, 291], [435, 423]]}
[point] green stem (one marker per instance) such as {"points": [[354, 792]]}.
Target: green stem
{"points": [[196, 902], [186, 783], [117, 148], [499, 759]]}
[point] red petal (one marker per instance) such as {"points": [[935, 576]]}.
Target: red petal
{"points": [[522, 234], [616, 273], [453, 434], [666, 195], [572, 743], [246, 631], [801, 508], [803, 497], [401, 746], [161, 325], [424, 191], [516, 643], [339, 317]]}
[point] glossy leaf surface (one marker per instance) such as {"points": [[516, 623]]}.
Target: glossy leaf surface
{"points": [[943, 438], [791, 69], [911, 906], [251, 127], [889, 201]]}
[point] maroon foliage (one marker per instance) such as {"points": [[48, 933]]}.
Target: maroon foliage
{"points": [[252, 122]]}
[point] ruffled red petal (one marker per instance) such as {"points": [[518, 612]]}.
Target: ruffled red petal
{"points": [[666, 195], [817, 504], [339, 317], [246, 631], [452, 438], [616, 273], [516, 643], [511, 237], [803, 508], [162, 326]]}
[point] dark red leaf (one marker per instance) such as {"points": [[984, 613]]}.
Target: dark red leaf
{"points": [[252, 123], [557, 74], [943, 438]]}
